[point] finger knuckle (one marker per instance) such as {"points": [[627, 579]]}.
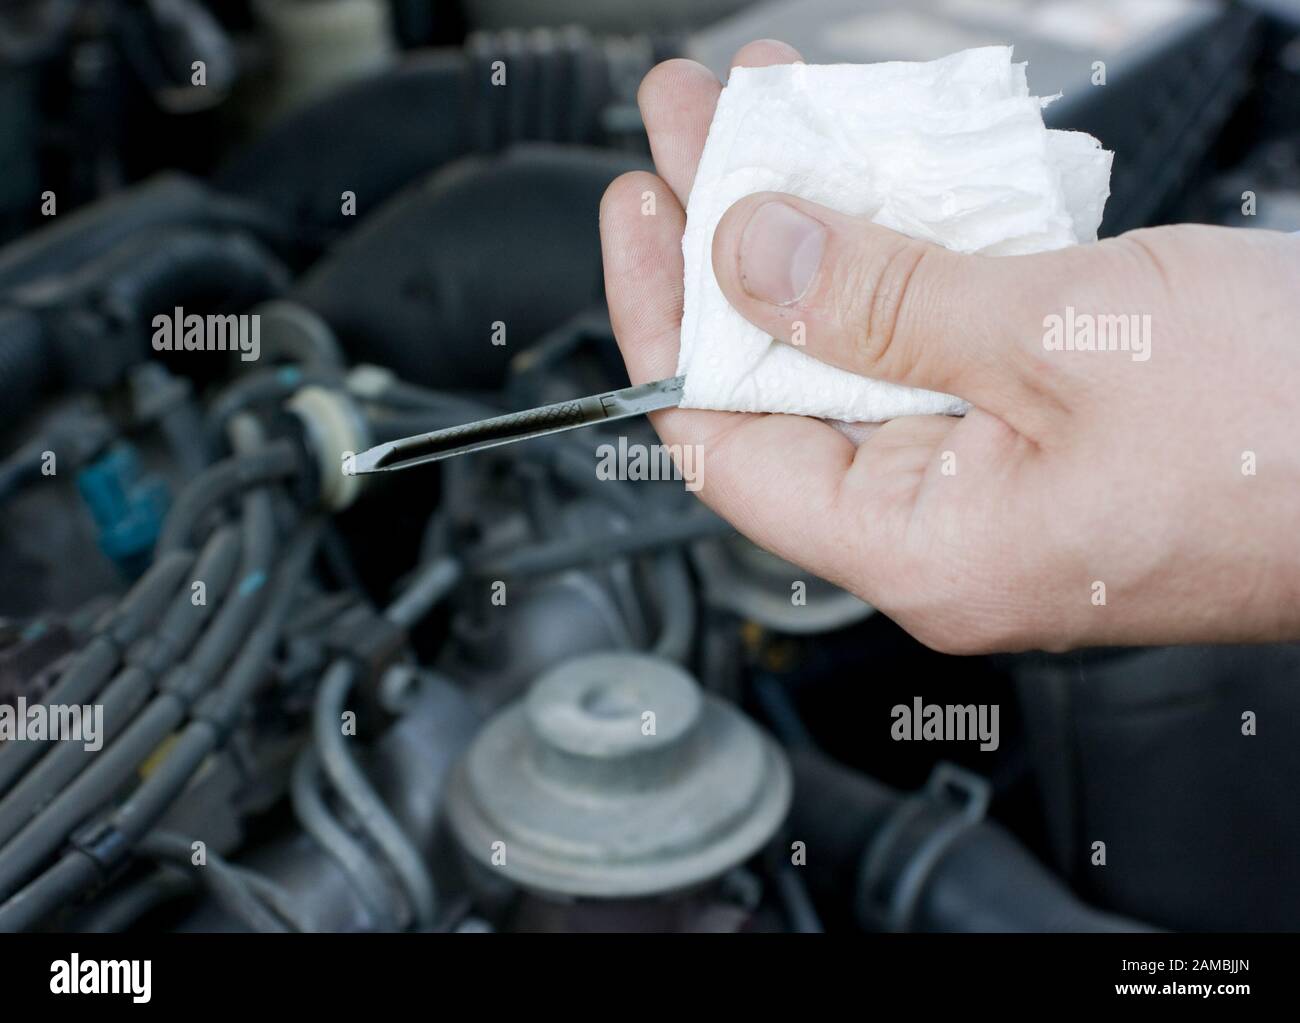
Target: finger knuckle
{"points": [[885, 291], [1144, 249]]}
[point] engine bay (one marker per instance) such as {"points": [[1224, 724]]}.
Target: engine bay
{"points": [[520, 691]]}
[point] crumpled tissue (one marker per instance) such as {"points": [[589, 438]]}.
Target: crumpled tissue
{"points": [[952, 150]]}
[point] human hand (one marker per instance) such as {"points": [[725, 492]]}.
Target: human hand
{"points": [[1089, 497]]}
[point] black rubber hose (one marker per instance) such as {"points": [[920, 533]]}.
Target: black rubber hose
{"points": [[354, 788], [116, 763], [428, 585], [348, 141], [56, 887], [114, 767], [38, 32], [987, 881], [387, 288], [221, 709], [108, 844], [799, 910], [97, 322], [836, 812], [674, 592], [179, 263], [78, 437], [121, 907], [413, 399], [431, 583], [122, 698], [25, 369], [349, 854], [216, 484], [138, 613], [167, 200], [652, 533], [88, 671], [376, 134], [230, 628], [23, 466], [240, 892], [676, 603], [94, 663], [262, 385], [983, 880]]}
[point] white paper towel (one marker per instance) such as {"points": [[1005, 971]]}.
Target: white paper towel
{"points": [[952, 150]]}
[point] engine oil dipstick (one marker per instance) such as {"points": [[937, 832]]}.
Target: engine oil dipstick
{"points": [[514, 426]]}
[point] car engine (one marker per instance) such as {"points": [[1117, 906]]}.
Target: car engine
{"points": [[510, 693]]}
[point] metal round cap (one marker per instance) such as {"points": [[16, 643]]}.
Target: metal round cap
{"points": [[617, 777]]}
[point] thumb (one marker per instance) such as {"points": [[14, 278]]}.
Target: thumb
{"points": [[878, 303]]}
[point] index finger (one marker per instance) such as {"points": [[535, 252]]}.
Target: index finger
{"points": [[677, 99]]}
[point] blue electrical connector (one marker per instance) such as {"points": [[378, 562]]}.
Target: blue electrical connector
{"points": [[127, 506]]}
